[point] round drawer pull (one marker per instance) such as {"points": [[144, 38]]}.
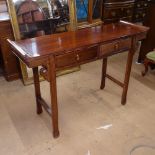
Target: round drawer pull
{"points": [[113, 13], [143, 14], [77, 57], [116, 46], [128, 11], [145, 4]]}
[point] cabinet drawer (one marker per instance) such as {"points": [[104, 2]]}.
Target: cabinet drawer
{"points": [[111, 13], [109, 48], [76, 57], [127, 12], [140, 14], [86, 54], [142, 4], [68, 59], [118, 12]]}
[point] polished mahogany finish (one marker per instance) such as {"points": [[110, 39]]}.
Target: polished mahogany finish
{"points": [[58, 51], [36, 50]]}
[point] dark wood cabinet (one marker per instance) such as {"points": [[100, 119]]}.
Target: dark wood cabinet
{"points": [[114, 10], [9, 63], [140, 10], [149, 43], [1, 62]]}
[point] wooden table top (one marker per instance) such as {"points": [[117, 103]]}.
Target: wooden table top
{"points": [[67, 41]]}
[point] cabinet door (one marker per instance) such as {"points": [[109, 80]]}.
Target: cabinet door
{"points": [[88, 11], [10, 62]]}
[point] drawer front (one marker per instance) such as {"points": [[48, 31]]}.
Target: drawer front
{"points": [[127, 12], [110, 48], [76, 57], [111, 13], [145, 3], [141, 4], [68, 59], [86, 54], [117, 12]]}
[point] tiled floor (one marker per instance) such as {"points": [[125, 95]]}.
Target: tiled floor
{"points": [[84, 113]]}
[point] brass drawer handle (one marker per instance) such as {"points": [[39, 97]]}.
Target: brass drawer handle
{"points": [[128, 11], [77, 57], [145, 4], [113, 13], [79, 49], [91, 46], [143, 14], [6, 62], [116, 46]]}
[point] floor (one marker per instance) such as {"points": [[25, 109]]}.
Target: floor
{"points": [[92, 121]]}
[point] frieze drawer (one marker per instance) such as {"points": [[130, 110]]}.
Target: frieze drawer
{"points": [[86, 54], [109, 48], [76, 57], [68, 59]]}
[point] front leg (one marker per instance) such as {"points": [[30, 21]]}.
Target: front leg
{"points": [[37, 89], [128, 70], [53, 90], [104, 69]]}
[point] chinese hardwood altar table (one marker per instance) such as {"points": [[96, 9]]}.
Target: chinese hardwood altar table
{"points": [[59, 51]]}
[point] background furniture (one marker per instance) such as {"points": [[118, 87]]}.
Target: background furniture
{"points": [[149, 43], [8, 62], [129, 10], [149, 60], [3, 8], [140, 10], [114, 10], [1, 63], [88, 11]]}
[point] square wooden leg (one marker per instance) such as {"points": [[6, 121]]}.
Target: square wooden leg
{"points": [[53, 90], [104, 69], [37, 89], [128, 71]]}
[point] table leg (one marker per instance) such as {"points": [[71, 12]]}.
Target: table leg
{"points": [[127, 73], [37, 89], [104, 69], [53, 90]]}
